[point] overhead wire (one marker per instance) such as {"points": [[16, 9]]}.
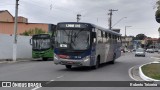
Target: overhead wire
{"points": [[44, 9], [51, 10]]}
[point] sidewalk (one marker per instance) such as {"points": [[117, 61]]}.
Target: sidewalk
{"points": [[18, 60]]}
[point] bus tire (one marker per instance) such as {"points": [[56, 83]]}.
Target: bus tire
{"points": [[97, 63], [113, 60], [68, 66], [44, 59]]}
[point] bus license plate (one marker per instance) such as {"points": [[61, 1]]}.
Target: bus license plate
{"points": [[70, 62]]}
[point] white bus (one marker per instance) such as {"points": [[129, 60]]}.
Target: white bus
{"points": [[85, 44]]}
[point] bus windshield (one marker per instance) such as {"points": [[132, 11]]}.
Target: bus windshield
{"points": [[39, 43], [73, 39]]}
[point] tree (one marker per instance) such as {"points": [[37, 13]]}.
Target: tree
{"points": [[31, 32], [157, 14], [149, 42], [158, 4], [140, 37]]}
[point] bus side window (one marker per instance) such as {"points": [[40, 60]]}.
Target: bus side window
{"points": [[99, 36], [104, 38], [106, 34], [116, 39], [94, 37], [101, 33], [110, 36]]}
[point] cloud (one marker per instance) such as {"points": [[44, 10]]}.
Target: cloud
{"points": [[140, 13]]}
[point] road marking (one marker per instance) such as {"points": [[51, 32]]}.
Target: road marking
{"points": [[155, 58], [48, 82], [40, 87], [130, 75], [52, 80], [35, 88], [60, 76]]}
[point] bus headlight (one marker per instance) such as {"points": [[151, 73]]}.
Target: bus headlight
{"points": [[55, 57], [86, 58]]}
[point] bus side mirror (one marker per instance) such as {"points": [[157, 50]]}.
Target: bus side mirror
{"points": [[93, 34], [31, 41]]}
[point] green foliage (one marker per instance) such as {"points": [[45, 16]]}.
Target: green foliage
{"points": [[157, 13], [140, 37], [31, 32], [149, 43], [158, 4], [152, 70]]}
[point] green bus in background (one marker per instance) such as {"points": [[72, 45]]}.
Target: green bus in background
{"points": [[42, 45]]}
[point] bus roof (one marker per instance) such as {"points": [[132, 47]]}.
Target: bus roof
{"points": [[93, 26]]}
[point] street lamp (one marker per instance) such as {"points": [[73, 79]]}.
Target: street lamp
{"points": [[78, 17]]}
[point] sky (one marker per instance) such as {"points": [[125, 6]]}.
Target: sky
{"points": [[140, 13]]}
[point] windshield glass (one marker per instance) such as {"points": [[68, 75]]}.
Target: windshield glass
{"points": [[73, 39], [140, 50], [41, 43]]}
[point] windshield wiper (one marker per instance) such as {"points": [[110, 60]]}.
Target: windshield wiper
{"points": [[75, 36]]}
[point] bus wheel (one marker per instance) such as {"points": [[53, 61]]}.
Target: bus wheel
{"points": [[45, 59], [68, 66], [113, 60], [97, 64]]}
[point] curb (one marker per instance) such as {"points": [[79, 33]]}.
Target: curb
{"points": [[20, 60], [134, 73], [131, 74], [143, 76]]}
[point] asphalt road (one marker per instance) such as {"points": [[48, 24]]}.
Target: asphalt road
{"points": [[47, 71]]}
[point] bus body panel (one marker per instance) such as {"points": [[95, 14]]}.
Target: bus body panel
{"points": [[39, 43], [43, 54], [102, 47]]}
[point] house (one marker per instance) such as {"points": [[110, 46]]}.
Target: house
{"points": [[155, 42], [7, 24], [127, 42]]}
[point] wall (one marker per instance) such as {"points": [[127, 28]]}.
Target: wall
{"points": [[22, 19], [24, 49], [8, 28]]}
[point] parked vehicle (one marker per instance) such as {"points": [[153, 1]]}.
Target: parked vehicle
{"points": [[158, 51], [150, 50], [140, 52]]}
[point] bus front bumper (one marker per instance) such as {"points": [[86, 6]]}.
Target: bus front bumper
{"points": [[83, 62]]}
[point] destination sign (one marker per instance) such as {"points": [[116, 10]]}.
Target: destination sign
{"points": [[72, 25]]}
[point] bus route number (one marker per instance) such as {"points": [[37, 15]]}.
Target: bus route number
{"points": [[73, 25]]}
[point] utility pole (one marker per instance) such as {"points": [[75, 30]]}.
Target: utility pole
{"points": [[78, 17], [15, 33], [125, 30], [110, 17], [126, 42]]}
